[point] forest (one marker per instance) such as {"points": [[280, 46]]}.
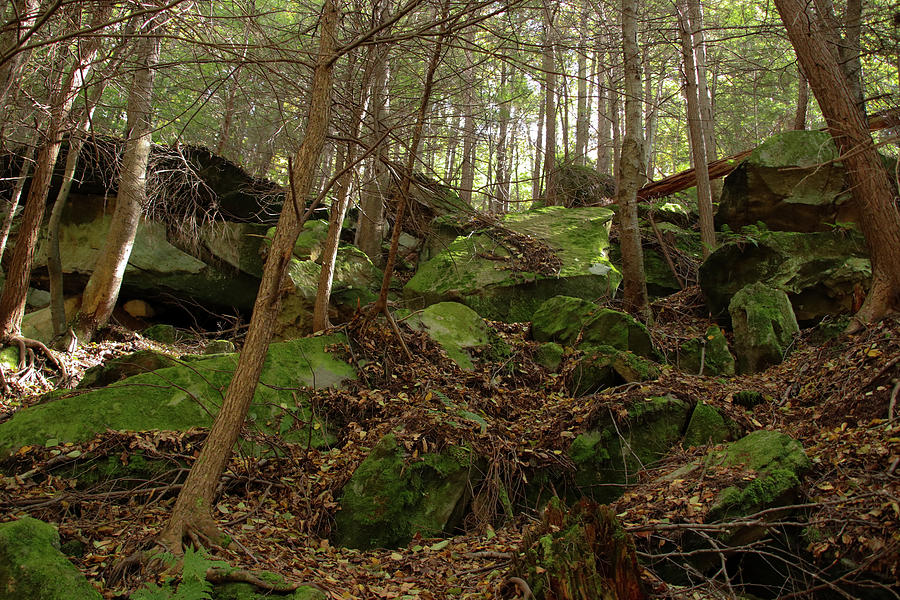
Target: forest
{"points": [[449, 299]]}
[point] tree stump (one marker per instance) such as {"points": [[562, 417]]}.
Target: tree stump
{"points": [[582, 554]]}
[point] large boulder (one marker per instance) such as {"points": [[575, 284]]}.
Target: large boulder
{"points": [[188, 395], [485, 271], [820, 272], [764, 327], [791, 182], [156, 266], [33, 568], [392, 496], [611, 454], [570, 321]]}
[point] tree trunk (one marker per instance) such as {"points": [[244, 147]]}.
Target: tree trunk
{"points": [[370, 228], [548, 66], [501, 187], [15, 289], [467, 174], [581, 124], [10, 214], [870, 184], [697, 138], [802, 100], [192, 511], [537, 166], [102, 289], [23, 18], [631, 170]]}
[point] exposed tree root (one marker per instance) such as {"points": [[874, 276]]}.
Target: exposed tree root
{"points": [[26, 365]]}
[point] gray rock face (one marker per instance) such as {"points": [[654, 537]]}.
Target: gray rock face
{"points": [[818, 271], [764, 327], [789, 183]]}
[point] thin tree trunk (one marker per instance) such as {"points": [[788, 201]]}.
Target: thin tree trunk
{"points": [[603, 122], [102, 289], [635, 285], [802, 100], [697, 138], [23, 18], [501, 187], [581, 124], [870, 184], [467, 174], [193, 508], [537, 166], [10, 214], [548, 65]]}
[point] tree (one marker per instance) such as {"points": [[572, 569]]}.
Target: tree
{"points": [[879, 218], [631, 170], [102, 288], [192, 513]]}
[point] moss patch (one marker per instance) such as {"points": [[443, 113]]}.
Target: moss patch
{"points": [[456, 327], [388, 500], [706, 426], [472, 269], [184, 396], [712, 350], [764, 327], [32, 566]]}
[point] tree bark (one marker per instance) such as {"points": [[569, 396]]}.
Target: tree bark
{"points": [[537, 183], [467, 171], [630, 174], [698, 138], [501, 186], [583, 120], [21, 21], [870, 184], [548, 66], [102, 289], [802, 100], [192, 511], [14, 198]]}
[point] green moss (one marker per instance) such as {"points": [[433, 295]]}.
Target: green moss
{"points": [[764, 327], [549, 355], [604, 366], [612, 454], [32, 566], [456, 327], [462, 273], [388, 500], [712, 349], [161, 332], [184, 396], [706, 426], [9, 358]]}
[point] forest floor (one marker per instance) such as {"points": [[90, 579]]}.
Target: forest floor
{"points": [[839, 398]]}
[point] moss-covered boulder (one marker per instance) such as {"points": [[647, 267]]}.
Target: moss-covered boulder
{"points": [[480, 269], [188, 395], [573, 321], [601, 367], [117, 369], [33, 568], [764, 327], [156, 265], [549, 355], [711, 351], [776, 462], [791, 182], [456, 327], [578, 185], [234, 244], [247, 591], [820, 272], [611, 454], [707, 426], [393, 496], [355, 283]]}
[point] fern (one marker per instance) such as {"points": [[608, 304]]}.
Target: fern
{"points": [[193, 584]]}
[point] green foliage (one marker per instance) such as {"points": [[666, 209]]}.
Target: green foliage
{"points": [[193, 584]]}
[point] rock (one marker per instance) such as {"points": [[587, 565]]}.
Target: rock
{"points": [[578, 554], [706, 426], [777, 462], [139, 309], [563, 319], [820, 272], [355, 283], [610, 455], [764, 327], [478, 269], [235, 244], [549, 355], [219, 347], [162, 333], [38, 325], [33, 568], [711, 349], [247, 591], [456, 327], [156, 266], [583, 186], [791, 183], [117, 369], [37, 298], [180, 397], [602, 367], [390, 498]]}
